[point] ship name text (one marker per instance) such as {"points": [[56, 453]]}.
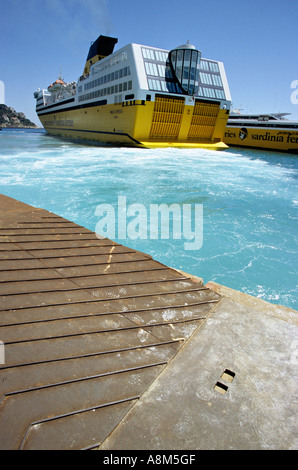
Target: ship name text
{"points": [[60, 123], [288, 137], [116, 111]]}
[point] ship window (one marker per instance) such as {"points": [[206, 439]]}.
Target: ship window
{"points": [[220, 94], [213, 66], [154, 84], [204, 65], [209, 92], [151, 69], [216, 80], [206, 78], [148, 54], [155, 71], [171, 87], [168, 72], [161, 56], [180, 56], [185, 65], [161, 70], [158, 55], [174, 56], [164, 86]]}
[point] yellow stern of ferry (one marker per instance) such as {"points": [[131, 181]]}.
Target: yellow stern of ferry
{"points": [[169, 122]]}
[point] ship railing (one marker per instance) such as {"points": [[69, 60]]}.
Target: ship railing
{"points": [[84, 77]]}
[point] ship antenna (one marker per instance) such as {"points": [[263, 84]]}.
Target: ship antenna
{"points": [[60, 74]]}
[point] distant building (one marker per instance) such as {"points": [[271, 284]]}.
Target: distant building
{"points": [[2, 92]]}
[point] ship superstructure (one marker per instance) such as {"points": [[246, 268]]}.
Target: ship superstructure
{"points": [[141, 96]]}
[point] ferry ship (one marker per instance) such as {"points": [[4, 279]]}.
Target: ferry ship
{"points": [[266, 131], [140, 96]]}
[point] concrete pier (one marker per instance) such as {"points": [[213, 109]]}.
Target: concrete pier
{"points": [[105, 348]]}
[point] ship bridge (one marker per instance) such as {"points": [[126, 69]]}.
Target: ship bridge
{"points": [[184, 62]]}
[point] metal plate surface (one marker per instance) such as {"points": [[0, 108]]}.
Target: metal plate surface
{"points": [[87, 326]]}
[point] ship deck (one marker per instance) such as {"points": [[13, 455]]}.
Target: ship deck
{"points": [[104, 347]]}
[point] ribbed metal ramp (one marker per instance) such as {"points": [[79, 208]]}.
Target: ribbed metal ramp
{"points": [[87, 326]]}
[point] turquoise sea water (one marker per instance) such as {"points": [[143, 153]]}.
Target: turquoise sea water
{"points": [[249, 199]]}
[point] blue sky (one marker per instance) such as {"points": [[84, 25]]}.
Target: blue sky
{"points": [[257, 40]]}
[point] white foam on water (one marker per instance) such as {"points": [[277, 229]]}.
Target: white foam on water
{"points": [[249, 200]]}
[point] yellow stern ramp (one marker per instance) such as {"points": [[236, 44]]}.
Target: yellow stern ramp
{"points": [[169, 122]]}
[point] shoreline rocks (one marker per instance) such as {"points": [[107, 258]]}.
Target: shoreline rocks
{"points": [[10, 118]]}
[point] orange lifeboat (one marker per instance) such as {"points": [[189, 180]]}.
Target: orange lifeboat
{"points": [[57, 85]]}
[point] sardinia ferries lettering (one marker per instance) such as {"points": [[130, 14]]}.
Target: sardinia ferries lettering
{"points": [[242, 134], [286, 137], [289, 138]]}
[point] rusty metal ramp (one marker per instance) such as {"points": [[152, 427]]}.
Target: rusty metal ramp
{"points": [[86, 326]]}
